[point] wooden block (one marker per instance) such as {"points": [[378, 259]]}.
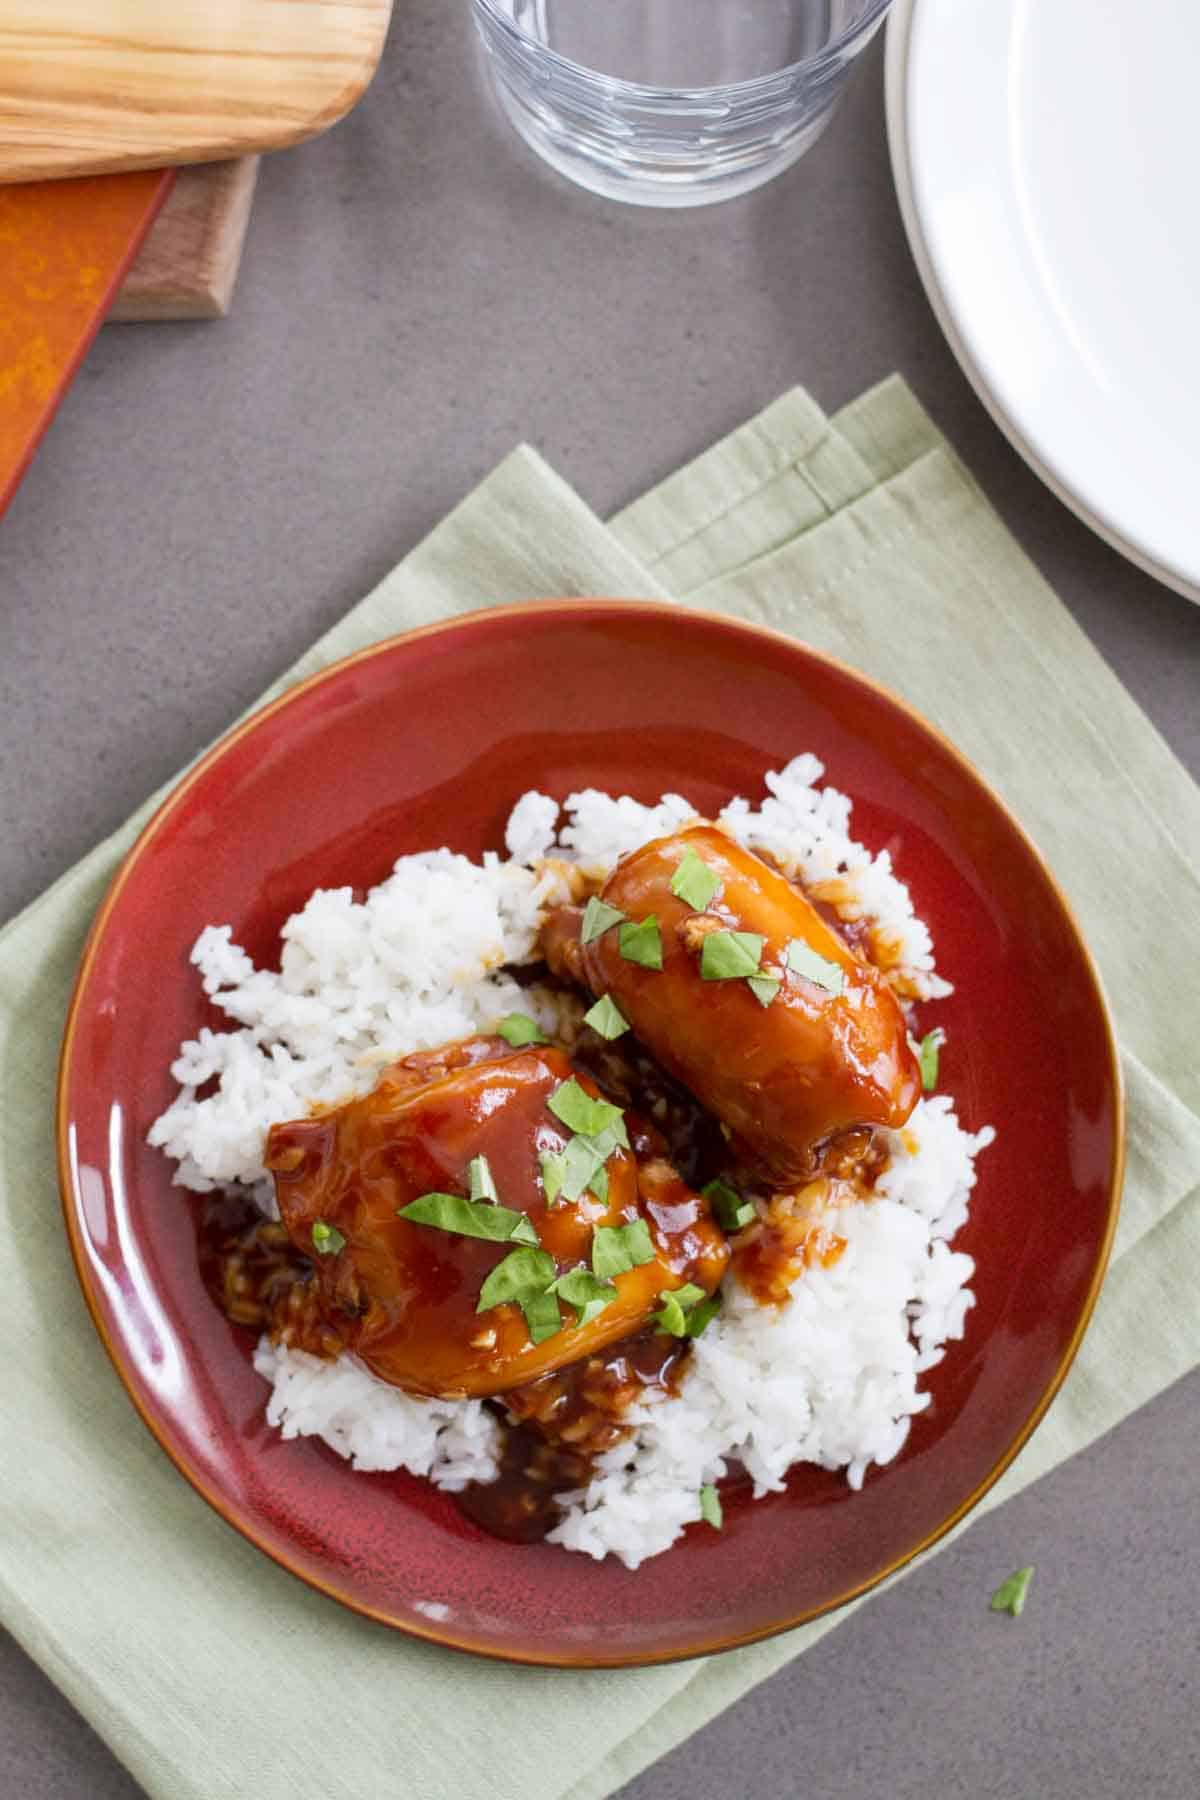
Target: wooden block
{"points": [[92, 85], [188, 264]]}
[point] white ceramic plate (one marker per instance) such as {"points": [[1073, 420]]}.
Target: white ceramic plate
{"points": [[1045, 155]]}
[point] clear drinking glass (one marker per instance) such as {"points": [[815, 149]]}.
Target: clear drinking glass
{"points": [[672, 102]]}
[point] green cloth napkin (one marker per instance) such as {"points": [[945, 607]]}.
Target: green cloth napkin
{"points": [[208, 1670]]}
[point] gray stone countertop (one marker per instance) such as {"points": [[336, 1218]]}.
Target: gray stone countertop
{"points": [[418, 295]]}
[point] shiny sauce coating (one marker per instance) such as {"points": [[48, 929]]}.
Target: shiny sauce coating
{"points": [[408, 1313], [553, 1428], [555, 1425], [559, 1424], [404, 1296], [784, 1077]]}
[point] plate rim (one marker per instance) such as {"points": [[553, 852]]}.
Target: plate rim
{"points": [[211, 1491], [898, 42]]}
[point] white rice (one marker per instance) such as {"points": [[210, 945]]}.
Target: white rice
{"points": [[831, 1378], [360, 983], [377, 1426]]}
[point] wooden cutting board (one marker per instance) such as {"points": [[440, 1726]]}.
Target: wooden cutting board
{"points": [[92, 85]]}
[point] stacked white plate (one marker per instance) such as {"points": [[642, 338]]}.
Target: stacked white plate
{"points": [[1047, 158]]}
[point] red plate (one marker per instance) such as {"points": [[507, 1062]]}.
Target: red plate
{"points": [[428, 739]]}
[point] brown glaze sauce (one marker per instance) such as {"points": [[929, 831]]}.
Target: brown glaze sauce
{"points": [[522, 1504], [692, 1138], [404, 1298], [258, 1279], [793, 1232], [818, 1060], [559, 1425]]}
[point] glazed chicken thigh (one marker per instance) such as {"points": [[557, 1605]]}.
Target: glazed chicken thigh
{"points": [[406, 1256], [733, 981]]}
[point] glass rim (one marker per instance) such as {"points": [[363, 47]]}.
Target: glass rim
{"points": [[567, 66]]}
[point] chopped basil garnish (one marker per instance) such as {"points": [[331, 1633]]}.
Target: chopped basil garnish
{"points": [[616, 1248], [479, 1174], [612, 1137], [552, 1174], [710, 1506], [580, 1112], [677, 1303], [580, 1160], [804, 961], [586, 1293], [541, 1316], [607, 1018], [599, 1129], [584, 1158], [702, 1315], [520, 1277], [730, 955], [327, 1240], [671, 1318], [732, 1211], [469, 1218], [1009, 1597], [525, 1278], [764, 987], [641, 942], [693, 881], [927, 1055], [598, 917], [518, 1029]]}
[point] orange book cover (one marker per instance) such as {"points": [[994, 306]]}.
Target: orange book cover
{"points": [[64, 249]]}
